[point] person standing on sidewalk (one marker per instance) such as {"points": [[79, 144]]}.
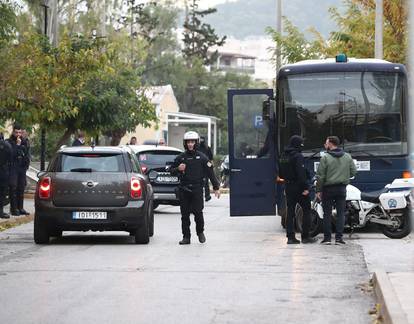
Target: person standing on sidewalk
{"points": [[18, 167], [191, 166], [292, 170], [5, 160], [334, 172]]}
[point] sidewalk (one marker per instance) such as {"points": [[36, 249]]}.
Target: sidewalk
{"points": [[392, 265], [13, 220], [395, 297]]}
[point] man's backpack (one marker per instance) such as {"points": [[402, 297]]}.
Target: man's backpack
{"points": [[286, 167]]}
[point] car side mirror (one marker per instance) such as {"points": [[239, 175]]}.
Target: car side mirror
{"points": [[266, 109]]}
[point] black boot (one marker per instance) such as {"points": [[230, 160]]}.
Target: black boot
{"points": [[293, 240], [23, 212], [201, 238], [184, 241], [3, 214]]}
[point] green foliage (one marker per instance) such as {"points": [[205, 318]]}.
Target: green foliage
{"points": [[8, 20], [199, 37], [293, 44], [355, 36]]}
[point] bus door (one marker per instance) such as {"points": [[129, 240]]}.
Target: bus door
{"points": [[251, 153]]}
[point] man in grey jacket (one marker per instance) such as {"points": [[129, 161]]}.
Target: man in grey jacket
{"points": [[334, 172]]}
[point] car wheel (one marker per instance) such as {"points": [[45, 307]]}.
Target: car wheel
{"points": [[40, 232], [142, 232]]}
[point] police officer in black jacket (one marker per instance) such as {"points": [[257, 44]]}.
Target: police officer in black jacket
{"points": [[5, 159], [19, 164], [292, 170], [192, 166]]}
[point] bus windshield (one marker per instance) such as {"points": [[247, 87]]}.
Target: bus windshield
{"points": [[364, 109]]}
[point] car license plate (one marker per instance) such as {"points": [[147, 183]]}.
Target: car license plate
{"points": [[89, 215], [167, 179]]}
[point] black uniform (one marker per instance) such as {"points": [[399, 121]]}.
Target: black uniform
{"points": [[292, 170], [191, 188], [19, 164], [5, 160], [204, 148]]}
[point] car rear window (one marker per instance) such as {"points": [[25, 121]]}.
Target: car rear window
{"points": [[157, 157], [92, 162]]}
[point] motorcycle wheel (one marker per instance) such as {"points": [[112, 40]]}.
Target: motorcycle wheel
{"points": [[316, 224], [402, 231]]}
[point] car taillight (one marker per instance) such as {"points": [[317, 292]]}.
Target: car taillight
{"points": [[45, 188], [144, 168], [136, 189]]}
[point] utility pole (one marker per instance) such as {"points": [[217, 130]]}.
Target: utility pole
{"points": [[43, 130], [279, 30], [379, 26]]}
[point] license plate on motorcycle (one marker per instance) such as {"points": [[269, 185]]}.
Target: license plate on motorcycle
{"points": [[167, 179], [89, 215]]}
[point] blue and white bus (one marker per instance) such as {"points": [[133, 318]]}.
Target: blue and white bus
{"points": [[362, 101]]}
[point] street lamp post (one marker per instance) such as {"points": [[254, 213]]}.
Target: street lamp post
{"points": [[279, 30], [43, 130], [379, 26]]}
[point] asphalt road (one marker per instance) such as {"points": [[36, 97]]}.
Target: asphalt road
{"points": [[244, 273]]}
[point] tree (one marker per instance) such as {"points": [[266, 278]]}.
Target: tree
{"points": [[355, 37], [8, 20], [76, 85], [357, 29], [293, 44], [199, 37]]}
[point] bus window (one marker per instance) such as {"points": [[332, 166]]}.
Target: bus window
{"points": [[365, 109], [251, 132]]}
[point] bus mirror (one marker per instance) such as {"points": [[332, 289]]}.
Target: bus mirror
{"points": [[266, 110]]}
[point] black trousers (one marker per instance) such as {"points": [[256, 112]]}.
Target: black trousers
{"points": [[333, 196], [4, 180], [294, 196], [17, 185], [191, 201]]}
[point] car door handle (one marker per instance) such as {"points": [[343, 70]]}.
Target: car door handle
{"points": [[235, 170]]}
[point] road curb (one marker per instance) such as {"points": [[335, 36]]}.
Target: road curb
{"points": [[390, 307], [14, 221]]}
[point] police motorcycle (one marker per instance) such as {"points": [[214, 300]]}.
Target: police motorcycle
{"points": [[389, 207], [225, 172]]}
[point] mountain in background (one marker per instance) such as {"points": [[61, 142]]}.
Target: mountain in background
{"points": [[245, 18]]}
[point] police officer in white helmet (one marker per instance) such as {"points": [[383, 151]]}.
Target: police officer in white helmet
{"points": [[192, 166]]}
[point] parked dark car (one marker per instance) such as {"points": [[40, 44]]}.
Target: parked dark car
{"points": [[93, 188], [153, 160]]}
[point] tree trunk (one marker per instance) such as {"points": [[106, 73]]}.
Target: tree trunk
{"points": [[65, 137], [116, 136]]}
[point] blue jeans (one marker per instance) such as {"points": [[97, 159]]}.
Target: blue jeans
{"points": [[333, 196]]}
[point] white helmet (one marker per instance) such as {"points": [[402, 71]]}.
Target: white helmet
{"points": [[193, 136]]}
